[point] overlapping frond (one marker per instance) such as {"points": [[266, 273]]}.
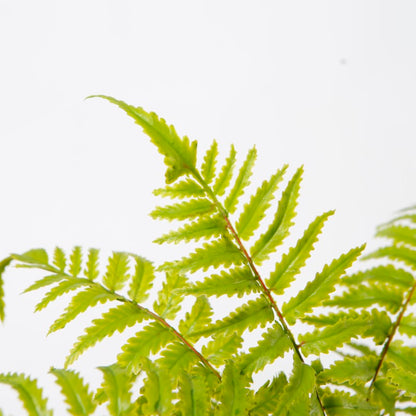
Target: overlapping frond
{"points": [[3, 264]]}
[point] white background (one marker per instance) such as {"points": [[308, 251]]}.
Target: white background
{"points": [[327, 84]]}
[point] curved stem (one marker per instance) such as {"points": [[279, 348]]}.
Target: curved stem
{"points": [[390, 338]]}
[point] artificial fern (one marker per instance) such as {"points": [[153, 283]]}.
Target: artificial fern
{"points": [[183, 361]]}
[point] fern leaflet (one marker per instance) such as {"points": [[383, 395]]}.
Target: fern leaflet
{"points": [[184, 188], [224, 177], [177, 357], [91, 270], [222, 348], [142, 279], [210, 159], [59, 259], [117, 272], [3, 264], [198, 318], [75, 261], [184, 210]]}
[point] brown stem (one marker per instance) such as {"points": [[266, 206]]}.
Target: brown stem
{"points": [[389, 339]]}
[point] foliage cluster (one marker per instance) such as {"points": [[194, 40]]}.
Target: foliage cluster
{"points": [[191, 362]]}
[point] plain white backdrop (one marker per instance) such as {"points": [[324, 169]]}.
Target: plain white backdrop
{"points": [[327, 84]]}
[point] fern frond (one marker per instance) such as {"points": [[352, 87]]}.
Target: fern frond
{"points": [[266, 398], [217, 253], [357, 370], [45, 281], [234, 388], [400, 253], [194, 399], [319, 289], [210, 160], [408, 325], [88, 298], [36, 258], [142, 279], [345, 404], [222, 348], [117, 272], [237, 281], [253, 314], [241, 182], [59, 259], [184, 210], [116, 386], [75, 261], [254, 210], [279, 228], [79, 399], [363, 296], [404, 380], [331, 337], [402, 356], [295, 399], [205, 227], [384, 395], [157, 391], [30, 395], [224, 178], [64, 286], [198, 318], [3, 264], [169, 298], [177, 357], [91, 270], [151, 339], [273, 344], [295, 259], [399, 234], [116, 319], [180, 154], [185, 188], [382, 274]]}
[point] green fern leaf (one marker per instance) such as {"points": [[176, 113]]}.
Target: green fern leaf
{"points": [[273, 345], [205, 227], [233, 392], [344, 404], [186, 188], [383, 274], [184, 210], [59, 259], [254, 210], [63, 287], [402, 356], [75, 261], [266, 398], [279, 228], [295, 259], [295, 397], [363, 296], [116, 319], [169, 298], [142, 280], [194, 399], [384, 395], [399, 234], [222, 348], [217, 253], [253, 314], [404, 254], [45, 281], [116, 386], [180, 154], [238, 281], [3, 264], [210, 160], [224, 177], [241, 182], [150, 339], [79, 400], [319, 289], [408, 325], [36, 258], [404, 380], [357, 370], [156, 391], [333, 336], [91, 270], [198, 318], [30, 395], [177, 357], [88, 298], [117, 271]]}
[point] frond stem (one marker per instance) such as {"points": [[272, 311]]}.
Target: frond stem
{"points": [[390, 338]]}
